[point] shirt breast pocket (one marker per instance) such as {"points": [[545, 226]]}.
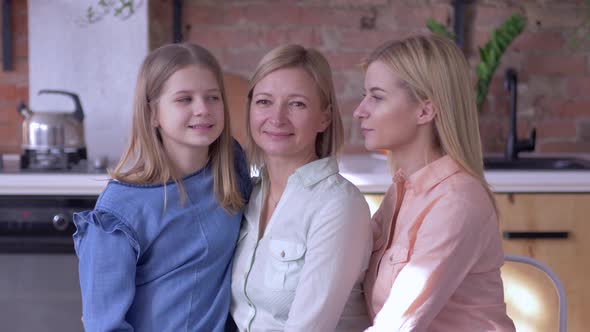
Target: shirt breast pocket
{"points": [[284, 265], [393, 261]]}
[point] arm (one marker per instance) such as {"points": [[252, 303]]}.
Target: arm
{"points": [[107, 278], [338, 250], [449, 241]]}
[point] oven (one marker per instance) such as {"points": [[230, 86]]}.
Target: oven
{"points": [[39, 286]]}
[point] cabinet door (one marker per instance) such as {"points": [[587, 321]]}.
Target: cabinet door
{"points": [[569, 258]]}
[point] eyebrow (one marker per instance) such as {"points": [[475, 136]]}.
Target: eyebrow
{"points": [[192, 91], [373, 89], [290, 96]]}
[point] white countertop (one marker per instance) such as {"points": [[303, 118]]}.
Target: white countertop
{"points": [[368, 172]]}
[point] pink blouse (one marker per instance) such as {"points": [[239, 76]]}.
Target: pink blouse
{"points": [[437, 255]]}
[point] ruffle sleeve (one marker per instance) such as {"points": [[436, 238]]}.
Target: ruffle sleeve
{"points": [[104, 221]]}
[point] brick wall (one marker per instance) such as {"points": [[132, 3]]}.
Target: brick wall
{"points": [[554, 79], [14, 84]]}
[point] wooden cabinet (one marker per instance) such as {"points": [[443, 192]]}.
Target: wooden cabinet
{"points": [[569, 258]]}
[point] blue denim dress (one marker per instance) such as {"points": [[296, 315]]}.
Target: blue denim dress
{"points": [[147, 265]]}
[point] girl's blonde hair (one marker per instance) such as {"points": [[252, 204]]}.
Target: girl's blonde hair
{"points": [[329, 142], [434, 68], [145, 161]]}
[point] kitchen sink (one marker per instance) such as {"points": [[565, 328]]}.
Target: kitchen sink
{"points": [[495, 163]]}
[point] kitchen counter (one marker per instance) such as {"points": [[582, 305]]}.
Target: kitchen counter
{"points": [[367, 171], [370, 174]]}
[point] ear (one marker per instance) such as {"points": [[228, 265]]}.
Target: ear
{"points": [[326, 119], [426, 113], [154, 118]]}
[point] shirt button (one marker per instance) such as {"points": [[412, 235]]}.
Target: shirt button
{"points": [[283, 254]]}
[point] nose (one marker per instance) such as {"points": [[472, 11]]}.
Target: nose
{"points": [[200, 107], [279, 113], [360, 111]]}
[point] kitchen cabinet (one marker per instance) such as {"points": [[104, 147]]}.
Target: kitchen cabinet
{"points": [[567, 257]]}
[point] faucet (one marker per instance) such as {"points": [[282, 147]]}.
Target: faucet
{"points": [[514, 145]]}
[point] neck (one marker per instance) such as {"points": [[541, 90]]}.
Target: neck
{"points": [[414, 156], [188, 161]]}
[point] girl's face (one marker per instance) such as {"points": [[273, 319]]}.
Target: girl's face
{"points": [[387, 113], [190, 111], [286, 114]]}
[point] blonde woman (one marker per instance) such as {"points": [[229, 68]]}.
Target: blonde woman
{"points": [[305, 242], [155, 253], [437, 249]]}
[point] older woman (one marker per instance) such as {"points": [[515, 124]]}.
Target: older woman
{"points": [[305, 242]]}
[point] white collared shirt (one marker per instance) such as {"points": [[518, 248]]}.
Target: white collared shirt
{"points": [[306, 272]]}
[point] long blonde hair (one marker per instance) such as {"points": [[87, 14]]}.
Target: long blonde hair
{"points": [[145, 161], [434, 68], [329, 142]]}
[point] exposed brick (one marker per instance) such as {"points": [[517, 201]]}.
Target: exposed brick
{"points": [[243, 62], [485, 16], [346, 3], [411, 17], [574, 108], [557, 129], [550, 17], [584, 130], [578, 87], [8, 92], [538, 42], [10, 138], [345, 60], [333, 17], [564, 146], [365, 40], [556, 65], [266, 14], [200, 14], [554, 79]]}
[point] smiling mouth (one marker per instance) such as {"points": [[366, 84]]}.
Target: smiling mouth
{"points": [[201, 126], [278, 134]]}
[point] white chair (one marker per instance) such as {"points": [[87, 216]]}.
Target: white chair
{"points": [[519, 282]]}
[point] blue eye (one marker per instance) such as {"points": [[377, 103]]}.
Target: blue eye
{"points": [[185, 100], [263, 102], [298, 104], [213, 98]]}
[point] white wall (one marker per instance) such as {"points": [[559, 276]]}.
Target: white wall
{"points": [[97, 61]]}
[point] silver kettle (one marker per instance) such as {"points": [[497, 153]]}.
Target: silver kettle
{"points": [[62, 131]]}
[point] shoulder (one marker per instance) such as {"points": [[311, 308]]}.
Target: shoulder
{"points": [[106, 222], [134, 202], [336, 196], [462, 200]]}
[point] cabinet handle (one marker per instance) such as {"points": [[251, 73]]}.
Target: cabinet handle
{"points": [[510, 235]]}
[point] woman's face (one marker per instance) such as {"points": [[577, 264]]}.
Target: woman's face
{"points": [[387, 113], [190, 111], [286, 114]]}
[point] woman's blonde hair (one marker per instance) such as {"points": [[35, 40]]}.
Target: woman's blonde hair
{"points": [[145, 161], [329, 142], [434, 68]]}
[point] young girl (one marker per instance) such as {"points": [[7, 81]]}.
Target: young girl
{"points": [[437, 250], [155, 253]]}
